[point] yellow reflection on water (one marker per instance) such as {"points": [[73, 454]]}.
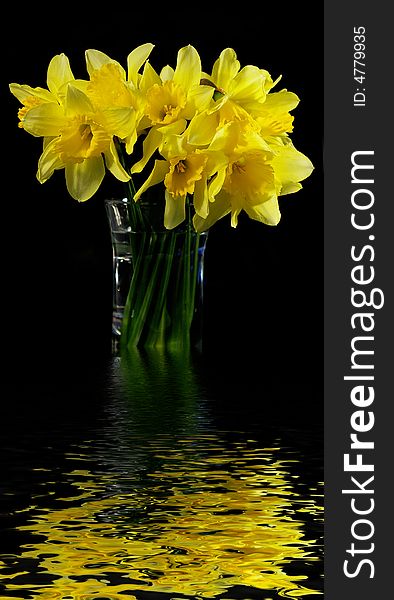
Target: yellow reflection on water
{"points": [[210, 514]]}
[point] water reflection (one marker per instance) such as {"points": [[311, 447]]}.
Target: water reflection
{"points": [[156, 499]]}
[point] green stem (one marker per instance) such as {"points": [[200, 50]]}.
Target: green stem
{"points": [[146, 302], [194, 277], [138, 269], [137, 220], [159, 318], [182, 310], [145, 292], [160, 303]]}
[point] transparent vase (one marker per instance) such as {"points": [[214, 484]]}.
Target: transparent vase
{"points": [[158, 281]]}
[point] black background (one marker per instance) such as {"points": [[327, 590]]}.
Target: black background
{"points": [[264, 285]]}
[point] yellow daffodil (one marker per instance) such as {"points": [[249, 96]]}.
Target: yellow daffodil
{"points": [[238, 91], [244, 95], [172, 98], [248, 180], [58, 75], [110, 89], [180, 171], [78, 143], [256, 173], [223, 137]]}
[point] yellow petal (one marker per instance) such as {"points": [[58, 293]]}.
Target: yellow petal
{"points": [[234, 215], [174, 212], [178, 127], [95, 59], [226, 138], [45, 120], [216, 183], [77, 101], [135, 60], [118, 121], [290, 165], [160, 169], [225, 68], [199, 99], [282, 101], [59, 73], [24, 92], [173, 146], [130, 141], [268, 212], [269, 82], [84, 178], [149, 78], [248, 85], [167, 73], [150, 144], [113, 164], [202, 129], [200, 198], [217, 210], [49, 161], [188, 68], [290, 188]]}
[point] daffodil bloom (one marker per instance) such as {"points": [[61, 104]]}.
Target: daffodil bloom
{"points": [[110, 88], [186, 170], [238, 91], [172, 98], [248, 180], [255, 175], [59, 74], [180, 172], [76, 141], [223, 137], [241, 95]]}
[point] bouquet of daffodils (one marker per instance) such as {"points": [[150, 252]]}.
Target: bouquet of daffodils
{"points": [[216, 143]]}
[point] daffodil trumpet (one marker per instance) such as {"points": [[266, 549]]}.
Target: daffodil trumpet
{"points": [[208, 145]]}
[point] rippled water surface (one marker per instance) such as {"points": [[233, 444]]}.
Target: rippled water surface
{"points": [[161, 480]]}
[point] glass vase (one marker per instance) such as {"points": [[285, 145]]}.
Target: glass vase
{"points": [[158, 281]]}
